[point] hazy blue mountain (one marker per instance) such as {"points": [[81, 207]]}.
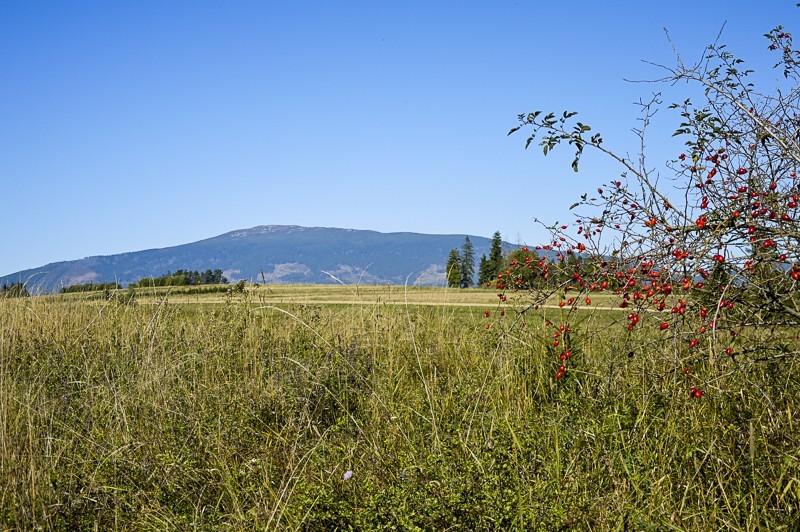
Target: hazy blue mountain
{"points": [[285, 254]]}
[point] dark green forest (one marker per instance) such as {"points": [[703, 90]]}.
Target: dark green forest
{"points": [[183, 278]]}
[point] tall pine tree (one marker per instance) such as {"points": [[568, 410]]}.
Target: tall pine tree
{"points": [[467, 264], [495, 256]]}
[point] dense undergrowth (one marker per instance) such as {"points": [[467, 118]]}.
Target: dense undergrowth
{"points": [[251, 416]]}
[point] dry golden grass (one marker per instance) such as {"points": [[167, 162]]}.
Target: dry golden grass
{"points": [[364, 295], [246, 414]]}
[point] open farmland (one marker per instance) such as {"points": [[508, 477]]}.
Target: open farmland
{"points": [[344, 407], [366, 295]]}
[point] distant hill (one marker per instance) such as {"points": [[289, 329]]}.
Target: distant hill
{"points": [[285, 254]]}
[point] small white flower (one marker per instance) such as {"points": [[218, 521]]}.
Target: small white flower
{"points": [[347, 475]]}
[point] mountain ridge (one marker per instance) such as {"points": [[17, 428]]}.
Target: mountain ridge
{"points": [[272, 253]]}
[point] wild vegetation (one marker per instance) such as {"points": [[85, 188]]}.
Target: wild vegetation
{"points": [[262, 411], [705, 249]]}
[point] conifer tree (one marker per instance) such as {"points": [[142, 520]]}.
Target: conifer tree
{"points": [[453, 271], [467, 264], [484, 275], [495, 263]]}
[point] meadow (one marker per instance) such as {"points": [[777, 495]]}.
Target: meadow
{"points": [[341, 407]]}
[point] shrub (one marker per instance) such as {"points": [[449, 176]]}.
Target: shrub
{"points": [[709, 255]]}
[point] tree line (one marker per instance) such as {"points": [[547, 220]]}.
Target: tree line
{"points": [[460, 269], [519, 269], [183, 278], [13, 290], [89, 287]]}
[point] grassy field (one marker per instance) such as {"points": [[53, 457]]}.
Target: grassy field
{"points": [[338, 407]]}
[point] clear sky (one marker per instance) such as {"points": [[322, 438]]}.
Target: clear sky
{"points": [[134, 125]]}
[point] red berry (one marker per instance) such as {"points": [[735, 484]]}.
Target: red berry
{"points": [[696, 393], [702, 221]]}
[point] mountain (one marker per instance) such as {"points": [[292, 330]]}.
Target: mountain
{"points": [[285, 254]]}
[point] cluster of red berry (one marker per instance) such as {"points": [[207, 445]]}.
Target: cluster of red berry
{"points": [[696, 393]]}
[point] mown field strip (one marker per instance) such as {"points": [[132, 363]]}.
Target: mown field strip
{"points": [[370, 295]]}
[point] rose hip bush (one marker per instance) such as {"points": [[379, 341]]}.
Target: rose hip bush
{"points": [[705, 250]]}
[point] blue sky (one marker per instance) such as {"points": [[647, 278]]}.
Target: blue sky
{"points": [[135, 125]]}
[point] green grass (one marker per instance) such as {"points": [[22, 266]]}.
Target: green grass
{"points": [[244, 412]]}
